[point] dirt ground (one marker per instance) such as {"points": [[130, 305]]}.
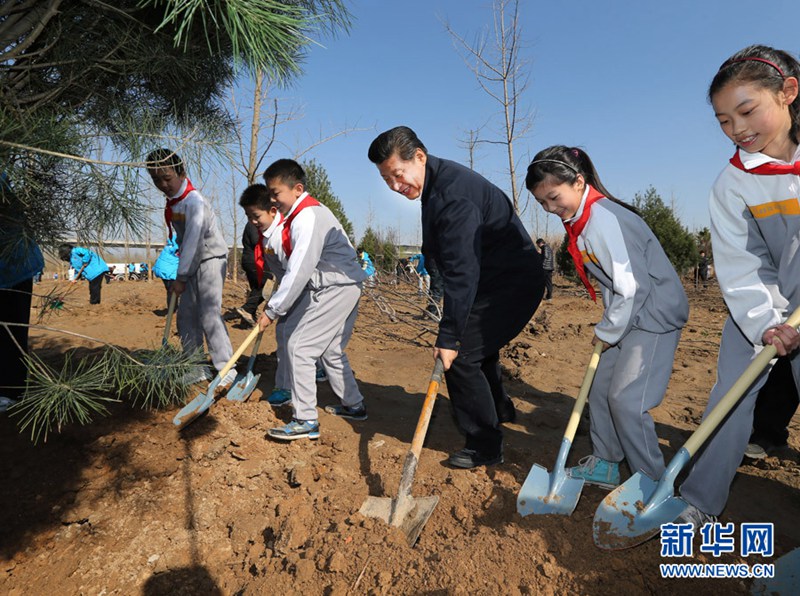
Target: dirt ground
{"points": [[128, 505]]}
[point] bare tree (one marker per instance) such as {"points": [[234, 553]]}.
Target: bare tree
{"points": [[494, 58]]}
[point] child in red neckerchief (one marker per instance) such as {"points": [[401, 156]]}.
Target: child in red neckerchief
{"points": [[317, 301], [755, 232], [202, 263], [645, 310]]}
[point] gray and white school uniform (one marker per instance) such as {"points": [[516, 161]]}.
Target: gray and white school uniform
{"points": [[318, 302], [202, 265], [755, 232], [645, 310]]}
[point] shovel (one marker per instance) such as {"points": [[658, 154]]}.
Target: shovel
{"points": [[786, 579], [173, 300], [634, 511], [245, 382], [557, 492], [200, 404], [406, 512]]}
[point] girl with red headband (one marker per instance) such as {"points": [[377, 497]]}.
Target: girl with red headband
{"points": [[645, 310], [755, 232]]}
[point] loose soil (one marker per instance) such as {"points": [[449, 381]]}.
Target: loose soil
{"points": [[128, 505]]}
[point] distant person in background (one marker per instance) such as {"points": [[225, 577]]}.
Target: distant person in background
{"points": [[548, 264], [702, 268], [437, 289], [87, 264], [368, 266], [166, 266], [254, 270], [424, 279]]}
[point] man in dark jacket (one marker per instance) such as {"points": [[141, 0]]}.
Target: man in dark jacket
{"points": [[493, 281]]}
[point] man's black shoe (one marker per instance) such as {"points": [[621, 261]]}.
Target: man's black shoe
{"points": [[506, 413], [469, 458]]}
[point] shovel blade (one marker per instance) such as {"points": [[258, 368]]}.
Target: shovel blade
{"points": [[544, 493], [243, 386], [786, 579], [630, 515], [411, 521], [193, 410]]}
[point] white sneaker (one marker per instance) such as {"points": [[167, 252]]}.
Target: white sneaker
{"points": [[6, 403], [692, 515], [199, 374], [229, 378], [755, 451]]}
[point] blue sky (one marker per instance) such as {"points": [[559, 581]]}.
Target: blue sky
{"points": [[625, 80]]}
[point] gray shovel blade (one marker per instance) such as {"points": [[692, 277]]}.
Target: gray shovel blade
{"points": [[194, 409], [411, 521], [243, 386], [786, 579], [630, 515], [549, 493]]}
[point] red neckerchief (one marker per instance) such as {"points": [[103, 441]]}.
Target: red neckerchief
{"points": [[175, 201], [767, 169], [258, 253], [574, 230], [286, 237]]}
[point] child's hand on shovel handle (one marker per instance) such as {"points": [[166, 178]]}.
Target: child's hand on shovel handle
{"points": [[445, 355], [264, 322], [784, 337]]}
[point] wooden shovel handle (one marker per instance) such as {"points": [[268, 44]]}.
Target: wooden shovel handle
{"points": [[173, 300], [733, 395], [427, 408], [256, 330], [583, 394]]}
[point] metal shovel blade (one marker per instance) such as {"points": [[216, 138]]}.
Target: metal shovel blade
{"points": [[243, 386], [786, 579], [549, 493], [634, 511], [411, 520], [194, 409]]}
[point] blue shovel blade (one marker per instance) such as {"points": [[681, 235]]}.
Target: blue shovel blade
{"points": [[198, 406], [786, 579], [633, 513], [243, 386], [549, 493]]}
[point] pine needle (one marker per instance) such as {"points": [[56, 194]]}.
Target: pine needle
{"points": [[152, 378], [54, 398]]}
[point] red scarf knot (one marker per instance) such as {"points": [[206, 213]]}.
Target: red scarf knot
{"points": [[574, 230]]}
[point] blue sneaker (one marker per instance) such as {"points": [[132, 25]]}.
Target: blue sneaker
{"points": [[358, 412], [322, 376], [296, 429], [596, 471], [279, 397]]}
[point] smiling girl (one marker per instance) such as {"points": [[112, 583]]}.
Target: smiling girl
{"points": [[755, 231], [645, 310]]}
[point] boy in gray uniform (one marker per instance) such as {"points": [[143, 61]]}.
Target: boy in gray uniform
{"points": [[201, 266], [317, 301]]}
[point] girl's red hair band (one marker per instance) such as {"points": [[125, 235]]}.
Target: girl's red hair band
{"points": [[754, 59]]}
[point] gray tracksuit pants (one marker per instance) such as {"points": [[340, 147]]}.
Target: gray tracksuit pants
{"points": [[709, 480], [631, 380], [318, 326], [199, 314]]}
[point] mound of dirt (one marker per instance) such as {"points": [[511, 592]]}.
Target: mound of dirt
{"points": [[129, 505]]}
